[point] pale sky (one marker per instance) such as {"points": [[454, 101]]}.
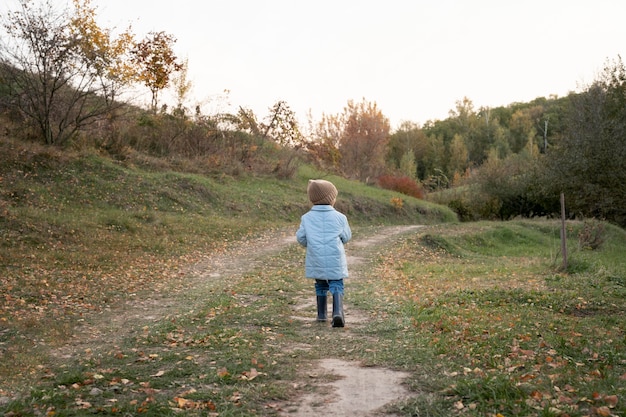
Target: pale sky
{"points": [[414, 58]]}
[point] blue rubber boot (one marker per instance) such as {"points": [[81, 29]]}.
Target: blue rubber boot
{"points": [[338, 318], [321, 308]]}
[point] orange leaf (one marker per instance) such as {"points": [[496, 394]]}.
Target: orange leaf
{"points": [[250, 375], [183, 402], [603, 411], [611, 400]]}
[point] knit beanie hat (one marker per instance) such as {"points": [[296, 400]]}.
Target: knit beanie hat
{"points": [[321, 192]]}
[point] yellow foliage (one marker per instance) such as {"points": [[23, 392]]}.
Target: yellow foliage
{"points": [[397, 203]]}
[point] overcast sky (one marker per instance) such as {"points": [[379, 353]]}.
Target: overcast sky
{"points": [[414, 58]]}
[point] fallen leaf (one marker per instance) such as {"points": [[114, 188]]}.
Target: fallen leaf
{"points": [[603, 411], [183, 402], [536, 395], [158, 374], [611, 400], [249, 376], [83, 404]]}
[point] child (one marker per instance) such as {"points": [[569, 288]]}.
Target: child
{"points": [[323, 231]]}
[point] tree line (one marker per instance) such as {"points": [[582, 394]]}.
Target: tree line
{"points": [[515, 160], [62, 79]]}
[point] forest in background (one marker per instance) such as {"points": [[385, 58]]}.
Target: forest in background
{"points": [[63, 79]]}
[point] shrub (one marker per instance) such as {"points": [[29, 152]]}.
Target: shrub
{"points": [[592, 235], [397, 203], [405, 185]]}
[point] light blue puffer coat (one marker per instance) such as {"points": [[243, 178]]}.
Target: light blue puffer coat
{"points": [[323, 231]]}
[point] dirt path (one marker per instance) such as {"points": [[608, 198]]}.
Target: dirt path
{"points": [[342, 388], [347, 388]]}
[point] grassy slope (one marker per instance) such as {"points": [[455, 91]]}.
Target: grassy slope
{"points": [[480, 314], [78, 231]]}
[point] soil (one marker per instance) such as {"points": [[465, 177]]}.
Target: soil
{"points": [[341, 388]]}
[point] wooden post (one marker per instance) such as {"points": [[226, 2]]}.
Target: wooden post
{"points": [[563, 233]]}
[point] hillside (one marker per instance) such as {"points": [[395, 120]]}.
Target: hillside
{"points": [[132, 288], [80, 230]]}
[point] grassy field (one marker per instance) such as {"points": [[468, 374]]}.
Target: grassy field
{"points": [[495, 328], [481, 315], [78, 232]]}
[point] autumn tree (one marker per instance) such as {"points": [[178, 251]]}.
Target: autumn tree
{"points": [[363, 144], [156, 63], [323, 145], [107, 57], [59, 67]]}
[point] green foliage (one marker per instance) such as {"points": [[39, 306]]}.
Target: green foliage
{"points": [[408, 166], [588, 164], [525, 154]]}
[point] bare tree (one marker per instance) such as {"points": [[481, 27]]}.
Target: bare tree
{"points": [[53, 73]]}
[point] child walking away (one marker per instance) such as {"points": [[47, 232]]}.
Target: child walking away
{"points": [[323, 232]]}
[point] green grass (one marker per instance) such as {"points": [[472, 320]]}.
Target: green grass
{"points": [[481, 315], [529, 341], [79, 232], [499, 329]]}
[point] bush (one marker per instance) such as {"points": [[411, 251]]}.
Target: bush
{"points": [[404, 185], [463, 210], [592, 235]]}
